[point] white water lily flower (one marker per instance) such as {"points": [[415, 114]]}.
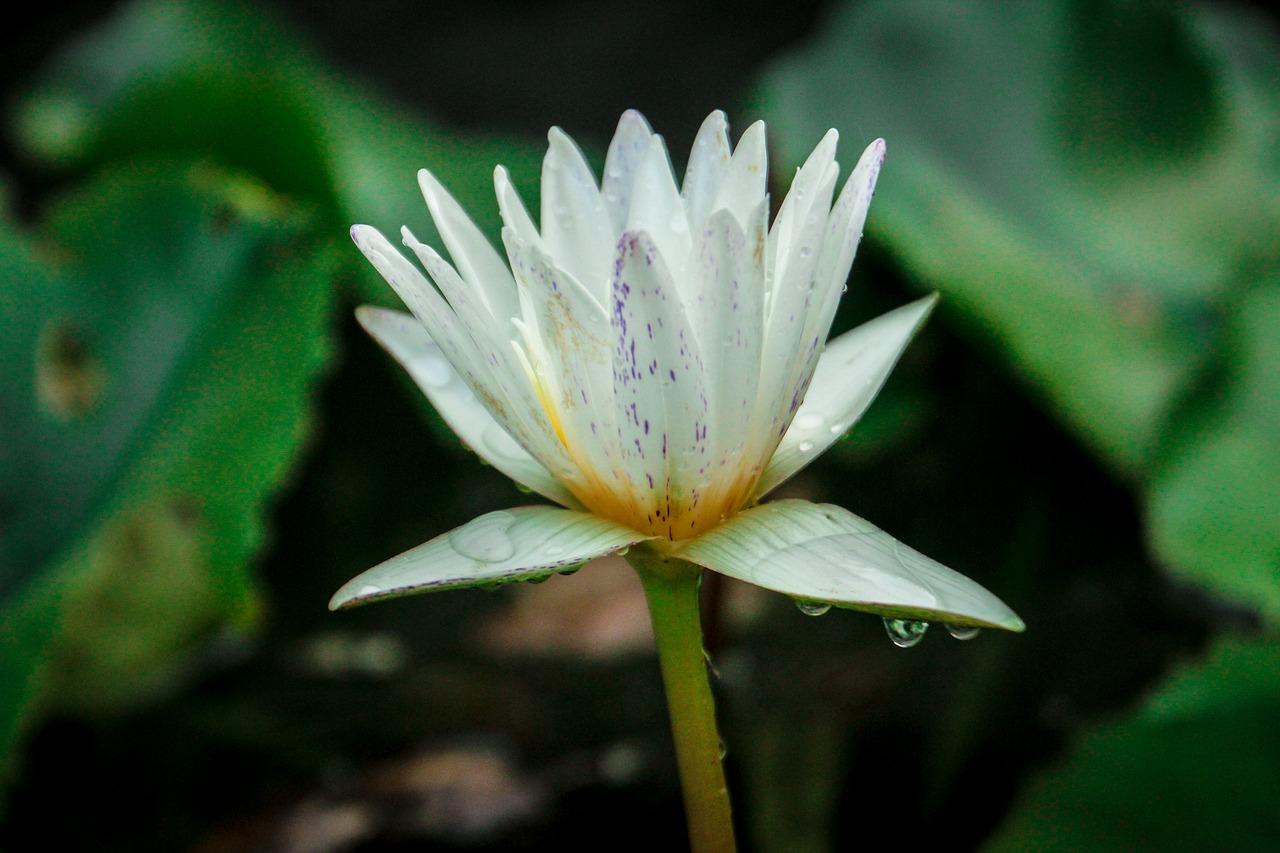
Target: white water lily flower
{"points": [[653, 361]]}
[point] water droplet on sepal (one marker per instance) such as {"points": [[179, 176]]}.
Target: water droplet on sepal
{"points": [[812, 608], [485, 539], [905, 633], [963, 632]]}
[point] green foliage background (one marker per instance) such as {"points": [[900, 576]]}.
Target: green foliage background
{"points": [[1091, 427]]}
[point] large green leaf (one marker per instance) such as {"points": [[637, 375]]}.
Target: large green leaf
{"points": [[1083, 181], [1214, 507], [225, 81], [158, 398], [1195, 770]]}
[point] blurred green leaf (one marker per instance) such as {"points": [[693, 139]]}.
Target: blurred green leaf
{"points": [[1214, 508], [160, 396], [1083, 181], [1195, 770], [227, 82]]}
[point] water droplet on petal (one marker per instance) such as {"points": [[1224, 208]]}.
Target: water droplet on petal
{"points": [[435, 370], [806, 252], [537, 579], [905, 633], [369, 589], [963, 632], [678, 223], [805, 446], [552, 550], [724, 750], [485, 539], [622, 552], [837, 429], [809, 420], [812, 608], [569, 570]]}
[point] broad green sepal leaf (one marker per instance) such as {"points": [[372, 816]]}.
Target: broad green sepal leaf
{"points": [[411, 345], [850, 373], [824, 553], [521, 544]]}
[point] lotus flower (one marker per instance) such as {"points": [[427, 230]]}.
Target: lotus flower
{"points": [[654, 360]]}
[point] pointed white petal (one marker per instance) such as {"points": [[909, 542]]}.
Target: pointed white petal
{"points": [[746, 181], [629, 143], [824, 553], [656, 209], [795, 241], [518, 544], [575, 224], [849, 375], [514, 214], [411, 345], [574, 347], [708, 164], [430, 308], [659, 390], [489, 363], [476, 259], [728, 317]]}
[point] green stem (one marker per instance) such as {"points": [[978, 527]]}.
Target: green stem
{"points": [[671, 588]]}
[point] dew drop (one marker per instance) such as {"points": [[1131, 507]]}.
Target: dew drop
{"points": [[837, 429], [809, 420], [622, 552], [805, 446], [369, 589], [678, 222], [812, 608], [806, 252], [552, 550], [485, 539], [724, 750], [568, 570], [963, 632], [905, 633], [537, 579], [435, 370]]}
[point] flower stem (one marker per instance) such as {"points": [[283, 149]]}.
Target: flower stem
{"points": [[671, 588]]}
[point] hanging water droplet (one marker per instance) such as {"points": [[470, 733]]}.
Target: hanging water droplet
{"points": [[537, 579], [809, 420], [805, 446], [622, 552], [435, 370], [812, 608], [369, 589], [569, 570], [486, 538], [905, 633], [963, 632], [724, 750]]}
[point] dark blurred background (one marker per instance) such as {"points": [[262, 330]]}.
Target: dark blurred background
{"points": [[198, 445]]}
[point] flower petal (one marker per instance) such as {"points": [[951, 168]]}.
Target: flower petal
{"points": [[527, 543], [708, 164], [569, 337], [849, 375], [627, 148], [411, 345], [656, 208], [575, 224], [659, 391], [514, 214], [479, 263], [824, 553], [746, 181]]}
